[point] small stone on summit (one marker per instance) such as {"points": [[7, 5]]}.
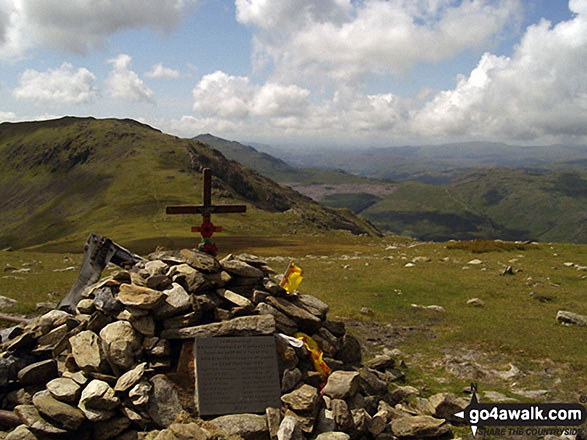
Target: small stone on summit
{"points": [[342, 384], [476, 302], [130, 378], [64, 389], [199, 260], [140, 297], [570, 318], [240, 268]]}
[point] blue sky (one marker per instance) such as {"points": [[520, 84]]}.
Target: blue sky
{"points": [[328, 73]]}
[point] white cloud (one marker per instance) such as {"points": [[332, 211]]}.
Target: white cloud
{"points": [[222, 95], [125, 84], [57, 86], [77, 26], [7, 116], [234, 97], [342, 40], [159, 71], [538, 93]]}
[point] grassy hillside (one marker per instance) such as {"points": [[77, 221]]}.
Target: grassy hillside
{"points": [[489, 203], [61, 179]]}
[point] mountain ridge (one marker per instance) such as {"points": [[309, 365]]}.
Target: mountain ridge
{"points": [[64, 178]]}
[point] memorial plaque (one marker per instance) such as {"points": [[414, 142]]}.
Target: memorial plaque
{"points": [[236, 375]]}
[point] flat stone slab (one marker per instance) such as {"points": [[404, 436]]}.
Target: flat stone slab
{"points": [[242, 326], [236, 375]]}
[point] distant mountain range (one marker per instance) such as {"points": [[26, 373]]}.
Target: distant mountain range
{"points": [[61, 179], [437, 164], [460, 191]]}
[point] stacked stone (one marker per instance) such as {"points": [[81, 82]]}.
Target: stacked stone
{"points": [[113, 369]]}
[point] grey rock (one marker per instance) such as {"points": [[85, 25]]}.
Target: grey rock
{"points": [[98, 395], [334, 435], [6, 303], [140, 297], [243, 326], [248, 426], [379, 422], [218, 279], [325, 421], [32, 419], [342, 384], [496, 396], [350, 351], [570, 318], [177, 301], [433, 307], [158, 282], [342, 415], [104, 301], [21, 432], [188, 277], [110, 428], [307, 322], [38, 372], [370, 383], [290, 379], [145, 325], [273, 288], [402, 393], [164, 404], [78, 377], [289, 429], [64, 389], [200, 261], [130, 378], [52, 319], [161, 349], [419, 426], [234, 298], [61, 413], [362, 421], [476, 302], [313, 305], [86, 305], [139, 393], [54, 336], [120, 343], [337, 328], [304, 400], [156, 267], [381, 362], [273, 417], [240, 268], [189, 431], [445, 405], [282, 322]]}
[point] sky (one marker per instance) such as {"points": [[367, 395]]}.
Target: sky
{"points": [[318, 73]]}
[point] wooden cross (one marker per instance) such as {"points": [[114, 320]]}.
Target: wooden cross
{"points": [[206, 209]]}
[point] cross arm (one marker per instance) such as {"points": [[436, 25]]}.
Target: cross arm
{"points": [[201, 209]]}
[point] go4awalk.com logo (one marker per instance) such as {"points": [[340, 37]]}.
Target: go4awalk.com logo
{"points": [[521, 415]]}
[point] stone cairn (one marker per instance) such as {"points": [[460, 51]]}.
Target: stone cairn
{"points": [[122, 367]]}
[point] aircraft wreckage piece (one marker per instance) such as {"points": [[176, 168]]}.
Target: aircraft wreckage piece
{"points": [[98, 252]]}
